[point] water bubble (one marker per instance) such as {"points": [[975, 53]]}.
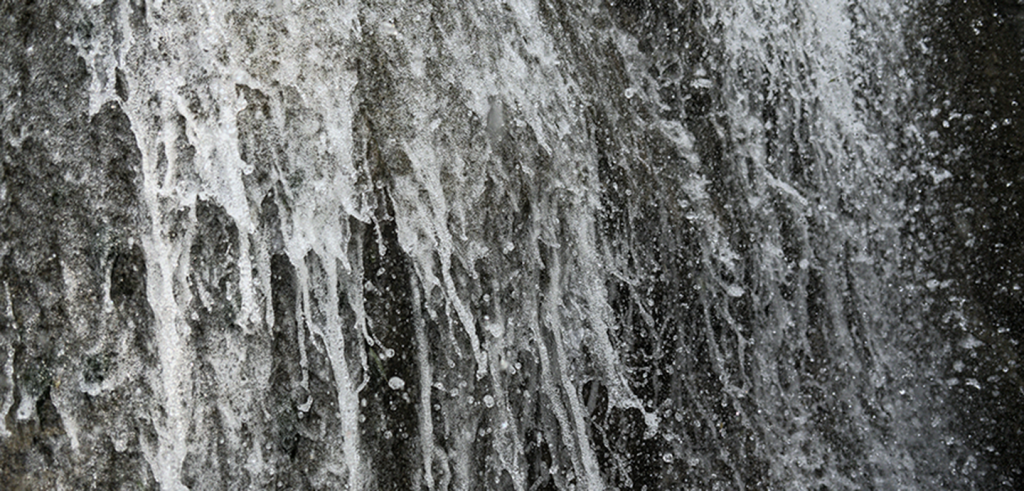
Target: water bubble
{"points": [[668, 457], [495, 329], [970, 342]]}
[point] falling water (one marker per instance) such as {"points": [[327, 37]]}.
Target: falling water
{"points": [[487, 245]]}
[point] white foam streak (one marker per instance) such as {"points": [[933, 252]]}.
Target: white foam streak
{"points": [[482, 140]]}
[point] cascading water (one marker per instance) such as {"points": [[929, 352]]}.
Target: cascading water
{"points": [[494, 245]]}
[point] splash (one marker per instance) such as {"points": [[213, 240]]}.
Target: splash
{"points": [[506, 245]]}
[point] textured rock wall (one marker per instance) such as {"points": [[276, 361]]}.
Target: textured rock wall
{"points": [[507, 245]]}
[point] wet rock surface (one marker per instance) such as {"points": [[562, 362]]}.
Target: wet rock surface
{"points": [[510, 245]]}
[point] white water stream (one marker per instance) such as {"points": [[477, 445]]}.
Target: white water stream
{"points": [[518, 245]]}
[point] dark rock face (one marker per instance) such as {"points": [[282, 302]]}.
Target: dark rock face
{"points": [[510, 245], [76, 328], [974, 71]]}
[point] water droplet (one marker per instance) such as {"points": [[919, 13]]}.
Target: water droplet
{"points": [[396, 383], [488, 400]]}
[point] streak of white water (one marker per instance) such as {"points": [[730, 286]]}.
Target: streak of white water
{"points": [[597, 271]]}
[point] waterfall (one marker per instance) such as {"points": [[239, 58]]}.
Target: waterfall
{"points": [[498, 244]]}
